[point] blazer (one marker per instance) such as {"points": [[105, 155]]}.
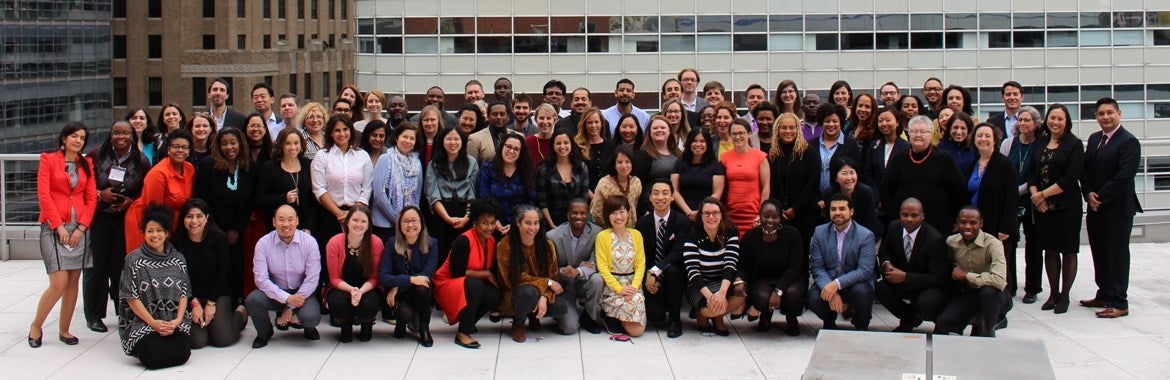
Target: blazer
{"points": [[930, 261], [396, 270], [233, 119], [998, 196], [996, 119], [865, 202], [56, 198], [677, 227], [1110, 171], [562, 239], [858, 253], [481, 146], [1066, 167], [875, 163]]}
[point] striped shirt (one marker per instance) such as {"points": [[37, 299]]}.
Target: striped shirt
{"points": [[709, 261]]}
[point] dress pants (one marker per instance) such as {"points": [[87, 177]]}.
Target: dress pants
{"points": [[985, 304], [259, 306], [587, 291], [1033, 255], [524, 300], [666, 305], [481, 298], [1109, 241], [791, 302], [415, 302], [859, 296], [100, 283], [924, 304], [157, 351], [342, 310], [224, 329]]}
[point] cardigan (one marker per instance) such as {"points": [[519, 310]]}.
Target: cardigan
{"points": [[273, 185], [56, 198], [335, 252], [603, 248], [998, 196], [207, 263], [532, 275], [231, 209]]}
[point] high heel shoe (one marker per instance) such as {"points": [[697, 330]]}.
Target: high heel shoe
{"points": [[1051, 302], [35, 343], [72, 341], [1061, 306]]}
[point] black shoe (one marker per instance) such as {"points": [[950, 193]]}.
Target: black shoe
{"points": [[1029, 298], [674, 329], [1061, 306], [791, 326], [424, 335], [494, 317], [830, 326], [1051, 302], [1002, 323], [473, 345], [400, 330], [589, 325], [907, 325], [613, 325], [533, 323], [367, 332], [346, 332], [764, 326], [97, 326], [704, 325], [35, 343], [72, 341], [259, 342], [312, 334], [692, 314]]}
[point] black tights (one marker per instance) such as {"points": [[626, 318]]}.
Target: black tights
{"points": [[415, 302], [1058, 264], [481, 299]]}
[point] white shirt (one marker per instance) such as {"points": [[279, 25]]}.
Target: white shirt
{"points": [[346, 177], [275, 125], [658, 222]]}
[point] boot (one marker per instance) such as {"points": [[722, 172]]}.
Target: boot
{"points": [[346, 332], [400, 329], [424, 334], [518, 330], [765, 322], [367, 332]]}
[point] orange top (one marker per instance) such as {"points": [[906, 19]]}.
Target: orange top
{"points": [[165, 185]]}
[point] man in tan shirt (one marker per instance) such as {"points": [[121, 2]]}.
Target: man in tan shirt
{"points": [[981, 275]]}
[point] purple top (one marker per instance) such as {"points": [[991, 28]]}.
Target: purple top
{"points": [[279, 267]]}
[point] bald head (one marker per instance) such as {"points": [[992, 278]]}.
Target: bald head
{"points": [[285, 221]]}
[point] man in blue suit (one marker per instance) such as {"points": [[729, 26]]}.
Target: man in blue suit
{"points": [[1112, 157], [841, 258]]}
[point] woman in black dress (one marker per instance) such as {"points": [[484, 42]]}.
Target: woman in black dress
{"points": [[1056, 195], [698, 174], [796, 171], [770, 261], [205, 248], [227, 182]]}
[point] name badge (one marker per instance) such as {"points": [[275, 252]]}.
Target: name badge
{"points": [[117, 174]]}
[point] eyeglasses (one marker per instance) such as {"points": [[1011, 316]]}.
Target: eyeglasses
{"points": [[180, 147], [511, 148], [738, 134], [712, 213], [411, 221], [919, 132]]}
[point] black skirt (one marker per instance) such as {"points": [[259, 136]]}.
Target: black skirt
{"points": [[1059, 230]]}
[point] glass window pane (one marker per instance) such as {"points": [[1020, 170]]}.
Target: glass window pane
{"points": [[926, 21], [714, 24], [641, 24], [389, 26], [887, 41], [677, 43], [421, 45], [961, 21], [1155, 18], [926, 40], [995, 21], [641, 43], [1094, 19], [1028, 20], [597, 44], [529, 25], [1129, 92], [605, 24], [458, 25], [1158, 91], [751, 23], [1161, 110], [999, 39], [531, 44], [493, 25], [718, 42], [458, 45], [750, 42], [366, 45], [1028, 39], [1091, 93], [422, 25], [856, 41], [678, 24], [573, 24], [898, 22], [1062, 94], [1161, 37], [365, 26], [826, 41], [1062, 39], [1095, 38], [785, 42], [567, 44], [495, 44], [820, 23], [1062, 20], [1132, 110], [389, 45], [857, 23], [1128, 38], [786, 23], [1127, 19]]}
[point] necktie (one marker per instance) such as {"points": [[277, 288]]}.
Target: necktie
{"points": [[909, 245], [1104, 138], [660, 242]]}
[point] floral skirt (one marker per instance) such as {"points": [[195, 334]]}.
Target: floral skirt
{"points": [[616, 306]]}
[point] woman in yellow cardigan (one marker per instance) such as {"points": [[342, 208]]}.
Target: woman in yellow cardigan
{"points": [[621, 261]]}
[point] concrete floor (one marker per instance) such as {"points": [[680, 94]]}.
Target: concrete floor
{"points": [[1079, 345]]}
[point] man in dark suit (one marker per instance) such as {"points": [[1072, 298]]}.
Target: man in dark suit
{"points": [[662, 238], [841, 259], [1013, 98], [573, 241], [217, 95], [915, 266], [1107, 182]]}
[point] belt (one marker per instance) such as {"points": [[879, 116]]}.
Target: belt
{"points": [[622, 274]]}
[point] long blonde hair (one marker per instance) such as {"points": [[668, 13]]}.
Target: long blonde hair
{"points": [[580, 139], [798, 147]]}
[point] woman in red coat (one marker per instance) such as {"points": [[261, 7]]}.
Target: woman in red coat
{"points": [[170, 183], [465, 287], [67, 197]]}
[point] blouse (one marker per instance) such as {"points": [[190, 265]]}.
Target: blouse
{"points": [[553, 193], [508, 191], [274, 183], [345, 176], [439, 188], [603, 247], [609, 187], [335, 255], [694, 180]]}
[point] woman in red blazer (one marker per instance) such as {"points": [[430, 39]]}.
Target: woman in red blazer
{"points": [[67, 197]]}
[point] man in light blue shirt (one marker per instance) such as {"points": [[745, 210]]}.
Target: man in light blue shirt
{"points": [[287, 270]]}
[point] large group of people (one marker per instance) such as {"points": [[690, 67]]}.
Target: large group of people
{"points": [[600, 219]]}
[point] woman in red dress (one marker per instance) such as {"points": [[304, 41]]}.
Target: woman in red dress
{"points": [[465, 287], [748, 178]]}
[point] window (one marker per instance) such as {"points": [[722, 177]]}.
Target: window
{"points": [[826, 41], [678, 43], [308, 86], [365, 26], [1062, 38], [856, 41], [999, 39], [641, 44], [339, 79], [344, 9], [300, 41], [120, 92], [292, 83], [926, 40], [267, 41], [531, 44], [785, 23], [154, 91], [198, 92], [332, 5], [119, 46], [301, 10], [119, 9], [749, 42], [894, 41], [267, 8], [313, 9], [208, 8], [325, 86], [1161, 37], [1062, 20], [1028, 39], [241, 41], [281, 8], [241, 8], [154, 46], [208, 42], [154, 9], [390, 45], [857, 23]]}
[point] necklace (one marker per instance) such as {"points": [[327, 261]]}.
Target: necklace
{"points": [[353, 251], [919, 162], [233, 182]]}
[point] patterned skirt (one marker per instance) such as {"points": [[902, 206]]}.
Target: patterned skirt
{"points": [[616, 306], [58, 257]]}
